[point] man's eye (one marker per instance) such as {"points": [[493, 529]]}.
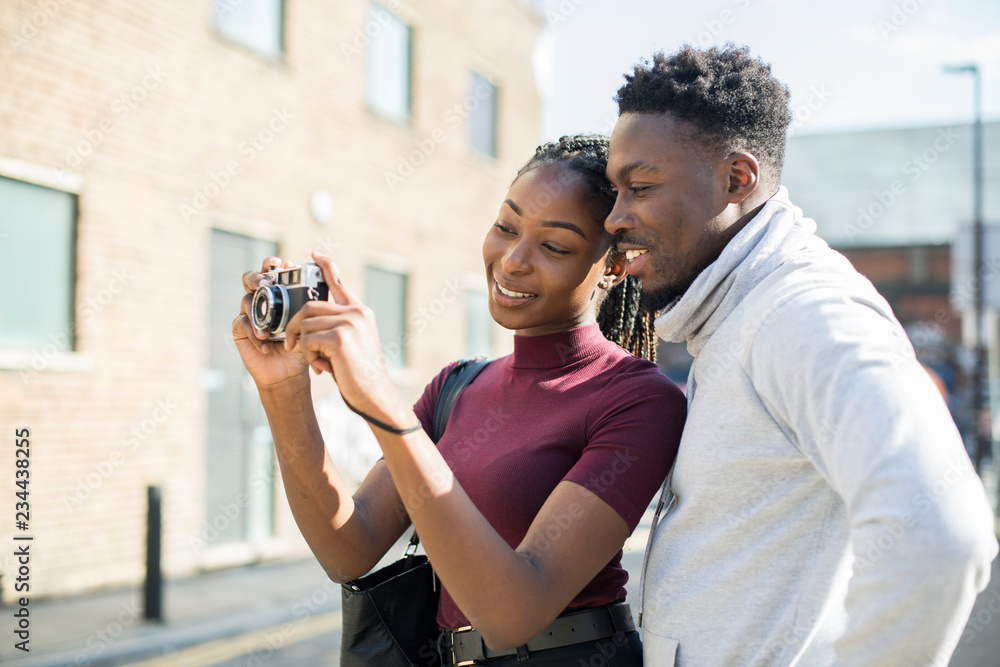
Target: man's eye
{"points": [[561, 252]]}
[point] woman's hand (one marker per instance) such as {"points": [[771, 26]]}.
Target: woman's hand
{"points": [[340, 336], [269, 363]]}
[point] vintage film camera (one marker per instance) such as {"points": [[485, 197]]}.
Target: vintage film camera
{"points": [[275, 304]]}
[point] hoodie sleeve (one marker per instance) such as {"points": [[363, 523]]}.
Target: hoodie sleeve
{"points": [[840, 377]]}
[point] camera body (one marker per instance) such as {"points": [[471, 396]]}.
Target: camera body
{"points": [[275, 304]]}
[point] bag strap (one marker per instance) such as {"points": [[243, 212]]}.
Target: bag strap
{"points": [[460, 377]]}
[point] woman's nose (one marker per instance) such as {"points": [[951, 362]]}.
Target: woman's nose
{"points": [[517, 259]]}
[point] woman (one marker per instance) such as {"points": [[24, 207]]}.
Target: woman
{"points": [[528, 520]]}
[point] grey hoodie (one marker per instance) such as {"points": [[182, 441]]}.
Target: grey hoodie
{"points": [[825, 510]]}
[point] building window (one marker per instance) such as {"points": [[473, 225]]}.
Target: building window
{"points": [[478, 325], [38, 253], [256, 24], [239, 450], [387, 66], [483, 115], [385, 293]]}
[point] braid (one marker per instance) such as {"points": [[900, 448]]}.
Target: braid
{"points": [[623, 321], [620, 317]]}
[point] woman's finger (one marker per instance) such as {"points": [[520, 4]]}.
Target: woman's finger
{"points": [[331, 275], [312, 310]]}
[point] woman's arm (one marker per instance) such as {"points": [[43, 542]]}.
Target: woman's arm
{"points": [[509, 594], [347, 535]]}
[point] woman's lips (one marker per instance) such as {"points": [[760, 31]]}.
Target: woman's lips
{"points": [[509, 299]]}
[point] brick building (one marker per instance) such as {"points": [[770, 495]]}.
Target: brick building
{"points": [[149, 154]]}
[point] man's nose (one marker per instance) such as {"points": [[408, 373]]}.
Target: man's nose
{"points": [[621, 219]]}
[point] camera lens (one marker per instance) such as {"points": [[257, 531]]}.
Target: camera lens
{"points": [[269, 308]]}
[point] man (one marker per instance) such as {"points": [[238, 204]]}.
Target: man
{"points": [[825, 511]]}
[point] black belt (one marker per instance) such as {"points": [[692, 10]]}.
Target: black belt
{"points": [[466, 647]]}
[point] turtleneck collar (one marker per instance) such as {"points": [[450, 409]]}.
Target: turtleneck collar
{"points": [[757, 250], [558, 349]]}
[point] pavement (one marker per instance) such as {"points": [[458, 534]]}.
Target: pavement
{"points": [[259, 611]]}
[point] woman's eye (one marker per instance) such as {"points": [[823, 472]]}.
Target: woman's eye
{"points": [[503, 229], [638, 188], [555, 250]]}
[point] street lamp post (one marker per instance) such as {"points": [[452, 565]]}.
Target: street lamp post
{"points": [[980, 388]]}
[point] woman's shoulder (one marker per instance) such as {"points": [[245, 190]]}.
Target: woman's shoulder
{"points": [[627, 371]]}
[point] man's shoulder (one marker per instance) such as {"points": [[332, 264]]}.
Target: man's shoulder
{"points": [[811, 277]]}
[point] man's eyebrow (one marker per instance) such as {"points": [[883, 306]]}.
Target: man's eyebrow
{"points": [[564, 225], [626, 170]]}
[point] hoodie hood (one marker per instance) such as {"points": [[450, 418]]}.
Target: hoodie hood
{"points": [[756, 251]]}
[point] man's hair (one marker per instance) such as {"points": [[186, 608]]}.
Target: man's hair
{"points": [[729, 96]]}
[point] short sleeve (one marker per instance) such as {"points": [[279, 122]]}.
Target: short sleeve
{"points": [[634, 430]]}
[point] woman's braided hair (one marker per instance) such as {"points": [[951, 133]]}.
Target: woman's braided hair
{"points": [[619, 316]]}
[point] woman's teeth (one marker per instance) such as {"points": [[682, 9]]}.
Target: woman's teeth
{"points": [[632, 254], [507, 292]]}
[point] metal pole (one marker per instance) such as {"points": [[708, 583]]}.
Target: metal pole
{"points": [[153, 590], [984, 430], [980, 403]]}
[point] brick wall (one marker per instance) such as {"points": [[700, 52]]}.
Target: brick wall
{"points": [[141, 108]]}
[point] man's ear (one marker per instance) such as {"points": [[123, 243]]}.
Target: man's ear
{"points": [[743, 173]]}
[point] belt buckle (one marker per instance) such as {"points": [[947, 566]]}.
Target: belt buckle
{"points": [[454, 658]]}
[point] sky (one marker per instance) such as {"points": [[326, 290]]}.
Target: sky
{"points": [[849, 64]]}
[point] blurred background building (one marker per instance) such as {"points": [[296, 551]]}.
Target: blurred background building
{"points": [[150, 153]]}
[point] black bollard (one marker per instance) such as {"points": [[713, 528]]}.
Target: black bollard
{"points": [[153, 591]]}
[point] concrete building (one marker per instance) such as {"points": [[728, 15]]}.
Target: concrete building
{"points": [[894, 202], [152, 152]]}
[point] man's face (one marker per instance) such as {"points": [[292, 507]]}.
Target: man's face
{"points": [[671, 206]]}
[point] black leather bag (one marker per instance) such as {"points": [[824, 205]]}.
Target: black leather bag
{"points": [[390, 615]]}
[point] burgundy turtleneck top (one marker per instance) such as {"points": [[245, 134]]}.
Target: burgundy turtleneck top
{"points": [[569, 406]]}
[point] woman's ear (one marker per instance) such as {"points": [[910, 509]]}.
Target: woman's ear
{"points": [[614, 269]]}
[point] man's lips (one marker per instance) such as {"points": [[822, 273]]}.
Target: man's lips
{"points": [[635, 259]]}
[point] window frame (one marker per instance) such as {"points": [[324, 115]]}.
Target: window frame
{"points": [[228, 39], [407, 116], [62, 360], [476, 79]]}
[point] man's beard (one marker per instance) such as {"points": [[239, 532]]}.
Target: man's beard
{"points": [[656, 300]]}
